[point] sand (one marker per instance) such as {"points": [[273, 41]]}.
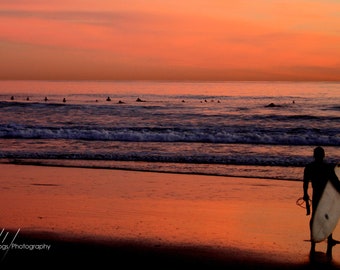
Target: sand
{"points": [[154, 220]]}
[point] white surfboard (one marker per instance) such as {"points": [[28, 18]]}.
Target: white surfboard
{"points": [[327, 213]]}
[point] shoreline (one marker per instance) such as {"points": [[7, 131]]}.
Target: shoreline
{"points": [[48, 163], [155, 219]]}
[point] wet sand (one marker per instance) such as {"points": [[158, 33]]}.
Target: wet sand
{"points": [[154, 220]]}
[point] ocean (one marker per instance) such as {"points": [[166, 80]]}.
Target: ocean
{"points": [[244, 129]]}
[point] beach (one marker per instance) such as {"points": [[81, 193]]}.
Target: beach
{"points": [[159, 220], [172, 135]]}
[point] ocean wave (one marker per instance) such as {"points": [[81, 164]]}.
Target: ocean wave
{"points": [[14, 104], [263, 160], [257, 160], [228, 135], [294, 117]]}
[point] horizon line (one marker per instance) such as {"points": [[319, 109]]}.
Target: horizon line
{"points": [[165, 80]]}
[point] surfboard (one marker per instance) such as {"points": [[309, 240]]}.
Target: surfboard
{"points": [[327, 213]]}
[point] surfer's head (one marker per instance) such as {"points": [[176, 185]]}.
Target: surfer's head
{"points": [[319, 153]]}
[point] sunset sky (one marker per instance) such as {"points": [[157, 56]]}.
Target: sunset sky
{"points": [[170, 40]]}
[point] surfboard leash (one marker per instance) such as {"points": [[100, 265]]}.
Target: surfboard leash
{"points": [[304, 204]]}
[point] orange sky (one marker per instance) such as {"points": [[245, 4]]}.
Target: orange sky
{"points": [[170, 40]]}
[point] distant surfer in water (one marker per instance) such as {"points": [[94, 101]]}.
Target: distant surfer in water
{"points": [[319, 173]]}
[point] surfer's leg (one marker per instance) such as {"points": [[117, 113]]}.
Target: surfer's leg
{"points": [[330, 244], [312, 243], [312, 249], [330, 237]]}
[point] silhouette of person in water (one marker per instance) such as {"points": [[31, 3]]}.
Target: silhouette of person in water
{"points": [[319, 173]]}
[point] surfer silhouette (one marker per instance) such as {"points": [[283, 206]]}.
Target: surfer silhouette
{"points": [[319, 173]]}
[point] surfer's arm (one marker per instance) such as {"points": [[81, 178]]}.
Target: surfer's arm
{"points": [[305, 185], [305, 191], [305, 195]]}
